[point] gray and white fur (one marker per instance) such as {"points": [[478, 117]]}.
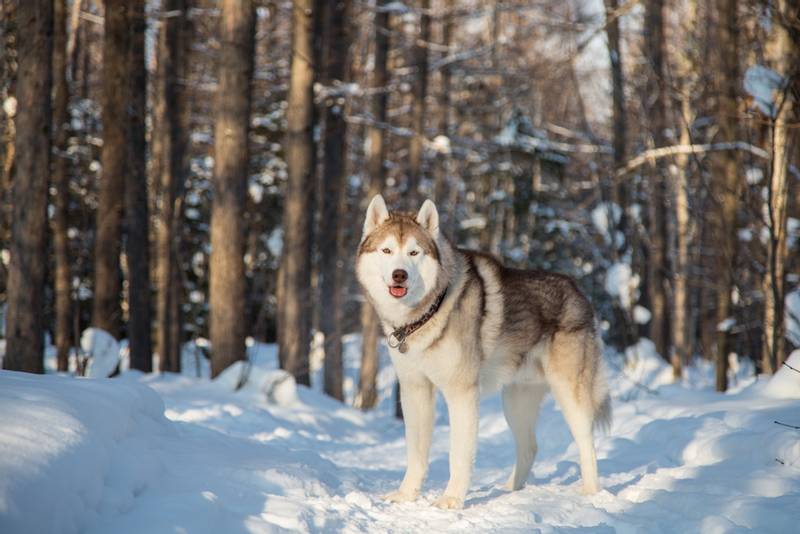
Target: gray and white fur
{"points": [[525, 332]]}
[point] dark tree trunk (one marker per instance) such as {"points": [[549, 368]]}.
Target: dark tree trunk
{"points": [[618, 110], [231, 126], [655, 105], [136, 212], [26, 276], [331, 236], [106, 311], [8, 67], [726, 177], [295, 306], [62, 277], [441, 186], [170, 167], [367, 388], [419, 93]]}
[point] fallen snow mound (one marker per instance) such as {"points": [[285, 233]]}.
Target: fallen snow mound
{"points": [[103, 351], [71, 449], [785, 383]]}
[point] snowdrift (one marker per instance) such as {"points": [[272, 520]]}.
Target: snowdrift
{"points": [[71, 449], [169, 453]]}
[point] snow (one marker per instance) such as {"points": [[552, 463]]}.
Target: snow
{"points": [[176, 453], [763, 84], [440, 144], [754, 175], [726, 324], [622, 283], [785, 383], [641, 315], [102, 350], [10, 106], [74, 450], [793, 317], [605, 216]]}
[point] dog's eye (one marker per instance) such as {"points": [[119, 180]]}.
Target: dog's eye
{"points": [[386, 251], [413, 253]]}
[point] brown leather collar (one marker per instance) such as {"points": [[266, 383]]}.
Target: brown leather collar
{"points": [[401, 334]]}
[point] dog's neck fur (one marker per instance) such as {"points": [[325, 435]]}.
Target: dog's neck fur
{"points": [[452, 267]]}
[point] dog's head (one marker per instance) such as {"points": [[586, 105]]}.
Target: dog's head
{"points": [[399, 257]]}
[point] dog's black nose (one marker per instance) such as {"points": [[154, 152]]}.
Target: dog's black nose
{"points": [[399, 276]]}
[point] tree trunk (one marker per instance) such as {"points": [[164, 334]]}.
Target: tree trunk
{"points": [[685, 67], [784, 61], [231, 161], [26, 273], [726, 179], [106, 311], [298, 205], [62, 277], [419, 93], [682, 341], [367, 383], [618, 114], [170, 166], [656, 108], [331, 237], [136, 210], [8, 67], [441, 185]]}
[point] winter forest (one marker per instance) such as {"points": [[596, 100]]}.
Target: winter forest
{"points": [[183, 186]]}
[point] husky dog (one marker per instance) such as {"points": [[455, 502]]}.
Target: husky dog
{"points": [[460, 321]]}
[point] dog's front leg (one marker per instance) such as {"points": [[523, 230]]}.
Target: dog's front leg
{"points": [[419, 401], [462, 405]]}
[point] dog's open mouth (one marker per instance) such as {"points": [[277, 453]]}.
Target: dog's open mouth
{"points": [[398, 291]]}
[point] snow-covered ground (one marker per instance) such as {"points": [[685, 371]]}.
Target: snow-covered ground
{"points": [[156, 453]]}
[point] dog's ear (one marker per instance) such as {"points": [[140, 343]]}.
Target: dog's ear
{"points": [[428, 218], [377, 213]]}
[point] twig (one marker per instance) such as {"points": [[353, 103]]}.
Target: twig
{"points": [[780, 461], [784, 424], [790, 367]]}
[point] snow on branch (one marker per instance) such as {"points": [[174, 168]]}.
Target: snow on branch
{"points": [[662, 152]]}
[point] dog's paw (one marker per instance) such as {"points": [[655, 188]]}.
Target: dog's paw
{"points": [[399, 496], [512, 484], [589, 489], [448, 502]]}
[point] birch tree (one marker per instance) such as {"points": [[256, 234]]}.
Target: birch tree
{"points": [[784, 57]]}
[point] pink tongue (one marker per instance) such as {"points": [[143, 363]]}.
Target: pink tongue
{"points": [[398, 291]]}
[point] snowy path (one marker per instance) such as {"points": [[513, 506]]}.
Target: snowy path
{"points": [[681, 460]]}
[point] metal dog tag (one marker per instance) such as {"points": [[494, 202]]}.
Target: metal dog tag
{"points": [[403, 348]]}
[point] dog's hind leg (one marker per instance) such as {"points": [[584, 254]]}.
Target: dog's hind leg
{"points": [[521, 408], [571, 372]]}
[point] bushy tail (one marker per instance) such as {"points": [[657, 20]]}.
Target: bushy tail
{"points": [[601, 399]]}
